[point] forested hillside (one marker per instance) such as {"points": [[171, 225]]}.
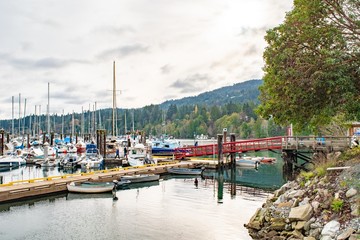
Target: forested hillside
{"points": [[207, 114]]}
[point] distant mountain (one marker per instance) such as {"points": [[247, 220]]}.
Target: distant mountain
{"points": [[238, 93]]}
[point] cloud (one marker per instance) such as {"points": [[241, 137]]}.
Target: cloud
{"points": [[123, 51], [43, 63], [114, 30], [166, 69], [192, 83]]}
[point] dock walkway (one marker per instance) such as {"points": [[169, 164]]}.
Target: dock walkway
{"points": [[42, 186]]}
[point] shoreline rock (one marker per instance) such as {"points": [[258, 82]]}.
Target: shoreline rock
{"points": [[318, 207]]}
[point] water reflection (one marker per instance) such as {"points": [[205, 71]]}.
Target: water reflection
{"points": [[31, 202]]}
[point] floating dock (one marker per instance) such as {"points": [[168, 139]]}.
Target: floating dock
{"points": [[19, 190]]}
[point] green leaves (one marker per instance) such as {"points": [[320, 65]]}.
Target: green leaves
{"points": [[311, 74]]}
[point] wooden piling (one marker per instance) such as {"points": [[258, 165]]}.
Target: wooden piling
{"points": [[220, 150], [1, 142], [101, 141], [232, 154]]}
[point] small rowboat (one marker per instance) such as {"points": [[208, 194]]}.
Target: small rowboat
{"points": [[91, 187], [141, 178], [185, 171]]}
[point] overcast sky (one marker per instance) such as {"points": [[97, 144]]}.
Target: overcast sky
{"points": [[163, 49]]}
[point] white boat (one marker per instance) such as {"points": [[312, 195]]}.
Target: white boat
{"points": [[70, 160], [71, 148], [185, 171], [48, 162], [247, 162], [141, 178], [91, 187], [137, 156], [92, 159], [11, 160]]}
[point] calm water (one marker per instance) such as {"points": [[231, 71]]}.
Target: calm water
{"points": [[174, 208]]}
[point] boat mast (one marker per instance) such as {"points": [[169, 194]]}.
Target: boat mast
{"points": [[12, 121], [82, 120], [19, 112], [72, 127], [114, 101], [48, 111], [23, 132], [125, 123]]}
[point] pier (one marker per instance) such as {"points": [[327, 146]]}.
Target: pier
{"points": [[18, 190]]}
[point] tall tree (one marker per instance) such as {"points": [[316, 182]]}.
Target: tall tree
{"points": [[312, 64]]}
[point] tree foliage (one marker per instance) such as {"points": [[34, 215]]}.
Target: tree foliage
{"points": [[312, 64]]}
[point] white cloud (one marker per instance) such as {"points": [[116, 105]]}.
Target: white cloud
{"points": [[162, 48]]}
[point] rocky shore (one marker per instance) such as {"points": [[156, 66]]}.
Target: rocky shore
{"points": [[321, 204]]}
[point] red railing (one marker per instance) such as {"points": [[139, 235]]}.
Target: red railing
{"points": [[230, 147]]}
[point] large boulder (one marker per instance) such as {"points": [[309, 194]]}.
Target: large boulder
{"points": [[301, 213]]}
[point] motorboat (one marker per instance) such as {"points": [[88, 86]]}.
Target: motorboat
{"points": [[11, 160], [247, 162], [141, 178], [92, 159], [137, 156], [164, 147], [47, 162], [70, 160], [186, 171], [91, 187]]}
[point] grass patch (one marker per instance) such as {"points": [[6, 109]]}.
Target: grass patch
{"points": [[337, 205], [307, 175]]}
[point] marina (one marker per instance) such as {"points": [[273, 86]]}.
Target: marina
{"points": [[213, 206]]}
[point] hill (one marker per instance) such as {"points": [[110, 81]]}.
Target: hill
{"points": [[238, 93]]}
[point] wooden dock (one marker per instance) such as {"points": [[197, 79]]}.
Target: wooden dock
{"points": [[31, 188]]}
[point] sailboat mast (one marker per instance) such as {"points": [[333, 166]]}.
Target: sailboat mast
{"points": [[62, 123], [23, 132], [114, 101], [12, 121], [48, 110], [72, 127], [19, 112]]}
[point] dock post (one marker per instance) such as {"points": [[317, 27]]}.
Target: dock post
{"points": [[220, 184], [288, 167], [232, 154], [101, 141], [28, 141], [52, 134], [1, 142], [233, 181], [220, 151]]}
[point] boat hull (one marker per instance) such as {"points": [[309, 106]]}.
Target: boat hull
{"points": [[185, 171], [90, 187], [141, 178]]}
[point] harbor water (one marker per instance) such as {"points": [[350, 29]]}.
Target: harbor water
{"points": [[215, 206]]}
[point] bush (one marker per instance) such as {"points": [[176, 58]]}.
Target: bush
{"points": [[337, 204], [320, 171], [307, 175]]}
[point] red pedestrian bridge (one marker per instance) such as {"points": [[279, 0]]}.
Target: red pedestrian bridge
{"points": [[329, 143]]}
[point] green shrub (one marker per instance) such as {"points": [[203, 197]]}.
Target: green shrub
{"points": [[307, 175], [320, 171], [337, 204]]}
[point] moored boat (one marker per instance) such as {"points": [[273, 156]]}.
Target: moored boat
{"points": [[185, 171], [11, 161], [141, 178], [91, 187], [247, 162]]}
